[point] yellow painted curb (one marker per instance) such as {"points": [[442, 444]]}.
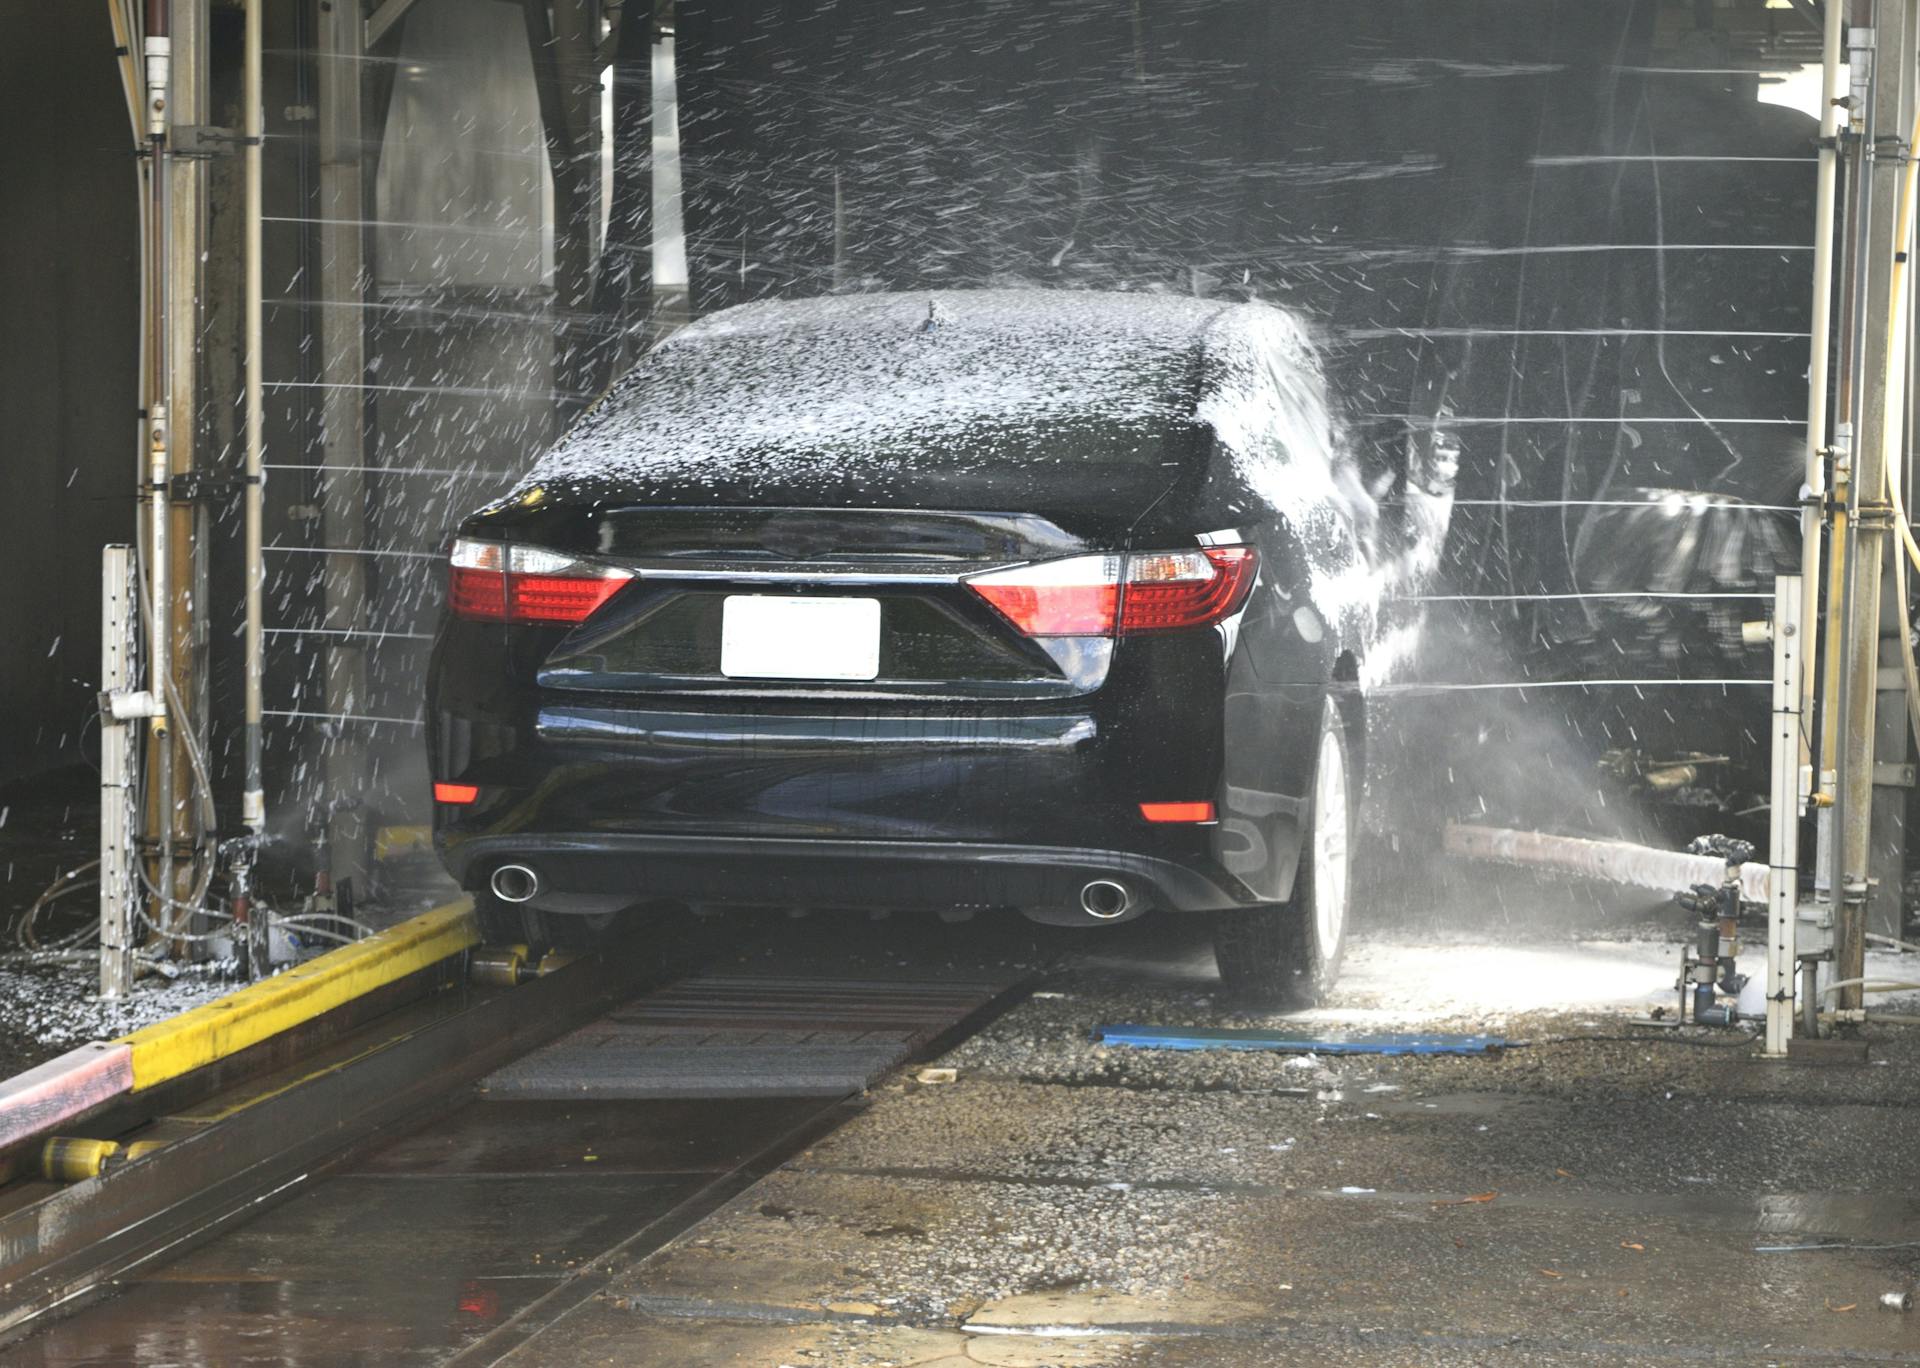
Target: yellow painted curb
{"points": [[394, 841], [252, 1014]]}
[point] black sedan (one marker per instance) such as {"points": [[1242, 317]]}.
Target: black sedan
{"points": [[1056, 601]]}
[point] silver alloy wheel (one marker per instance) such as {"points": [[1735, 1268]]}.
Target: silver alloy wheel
{"points": [[1330, 848]]}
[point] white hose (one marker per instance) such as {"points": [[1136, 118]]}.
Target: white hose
{"points": [[1908, 946], [1870, 986], [303, 930]]}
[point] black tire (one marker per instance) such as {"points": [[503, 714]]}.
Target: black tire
{"points": [[1273, 956], [501, 923]]}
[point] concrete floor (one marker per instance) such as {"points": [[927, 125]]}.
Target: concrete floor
{"points": [[1566, 1201]]}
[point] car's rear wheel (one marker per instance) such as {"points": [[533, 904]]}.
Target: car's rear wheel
{"points": [[1288, 954]]}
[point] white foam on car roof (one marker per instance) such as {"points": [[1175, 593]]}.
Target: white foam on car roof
{"points": [[838, 380]]}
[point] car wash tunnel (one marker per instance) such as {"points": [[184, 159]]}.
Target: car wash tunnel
{"points": [[1078, 682]]}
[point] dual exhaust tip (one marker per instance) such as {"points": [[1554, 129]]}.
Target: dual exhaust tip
{"points": [[515, 883], [1106, 899], [1101, 899]]}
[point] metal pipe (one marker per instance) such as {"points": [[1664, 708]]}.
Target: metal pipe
{"points": [[1849, 445], [343, 378], [1873, 381], [253, 800], [132, 82], [1812, 514], [158, 50]]}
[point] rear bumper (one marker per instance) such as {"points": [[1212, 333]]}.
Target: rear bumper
{"points": [[806, 872]]}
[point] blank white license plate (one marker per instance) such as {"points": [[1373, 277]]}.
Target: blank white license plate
{"points": [[767, 636]]}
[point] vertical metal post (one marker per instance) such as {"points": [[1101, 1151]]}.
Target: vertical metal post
{"points": [[672, 303], [182, 613], [1887, 828], [570, 72], [157, 48], [1871, 523], [253, 802], [1814, 493], [118, 613], [1783, 845], [343, 281]]}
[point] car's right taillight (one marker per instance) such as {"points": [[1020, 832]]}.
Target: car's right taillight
{"points": [[1166, 590], [494, 582], [1112, 595]]}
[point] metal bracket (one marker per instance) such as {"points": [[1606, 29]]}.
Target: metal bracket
{"points": [[204, 140], [1888, 774], [204, 486], [1813, 931]]}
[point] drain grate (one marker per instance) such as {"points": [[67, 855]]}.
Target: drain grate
{"points": [[745, 1036]]}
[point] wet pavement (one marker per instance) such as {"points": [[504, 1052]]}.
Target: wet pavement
{"points": [[1588, 1195], [617, 1135], [425, 1247]]}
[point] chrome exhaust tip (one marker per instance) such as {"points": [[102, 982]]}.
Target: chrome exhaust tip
{"points": [[514, 883], [1105, 899]]}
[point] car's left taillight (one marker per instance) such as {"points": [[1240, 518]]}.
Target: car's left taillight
{"points": [[492, 581], [1115, 595]]}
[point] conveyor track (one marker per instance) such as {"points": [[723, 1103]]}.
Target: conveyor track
{"points": [[438, 1188]]}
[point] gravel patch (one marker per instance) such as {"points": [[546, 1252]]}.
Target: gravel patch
{"points": [[45, 1012], [929, 1249]]}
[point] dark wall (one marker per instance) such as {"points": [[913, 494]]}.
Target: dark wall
{"points": [[69, 285]]}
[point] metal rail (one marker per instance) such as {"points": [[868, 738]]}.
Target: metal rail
{"points": [[304, 1103], [202, 1150]]}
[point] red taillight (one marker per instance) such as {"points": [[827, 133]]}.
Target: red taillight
{"points": [[495, 583], [559, 598], [477, 582], [455, 793], [1177, 812], [1153, 591], [1170, 589], [1072, 597]]}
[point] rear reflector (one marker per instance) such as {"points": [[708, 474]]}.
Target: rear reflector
{"points": [[492, 582], [1154, 591], [1177, 812], [455, 793]]}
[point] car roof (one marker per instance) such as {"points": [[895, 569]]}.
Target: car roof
{"points": [[864, 373]]}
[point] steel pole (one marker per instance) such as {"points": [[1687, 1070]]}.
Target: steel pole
{"points": [[343, 280], [1871, 520], [1783, 845], [253, 803], [1814, 494], [158, 51], [119, 612], [183, 612]]}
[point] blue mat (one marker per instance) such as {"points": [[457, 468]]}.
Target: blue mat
{"points": [[1202, 1038]]}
